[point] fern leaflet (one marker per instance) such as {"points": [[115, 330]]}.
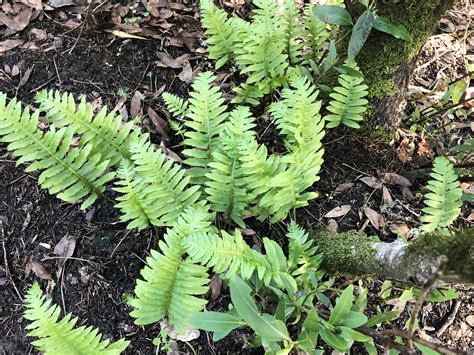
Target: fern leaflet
{"points": [[444, 199], [176, 105], [59, 337]]}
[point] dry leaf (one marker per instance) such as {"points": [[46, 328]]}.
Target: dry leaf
{"points": [[19, 21], [35, 4], [399, 229], [344, 187], [338, 211], [38, 269], [247, 232], [60, 3], [395, 179], [9, 44], [65, 247], [159, 123], [333, 226], [216, 287], [374, 217], [189, 334], [371, 182], [136, 104], [387, 198], [123, 34], [186, 74], [25, 77], [470, 218], [167, 61], [406, 192]]}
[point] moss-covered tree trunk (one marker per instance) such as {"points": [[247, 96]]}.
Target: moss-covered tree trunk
{"points": [[388, 62], [413, 263]]}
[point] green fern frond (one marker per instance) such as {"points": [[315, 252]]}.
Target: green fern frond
{"points": [[349, 101], [293, 30], [297, 116], [444, 199], [155, 190], [266, 17], [230, 255], [226, 187], [206, 113], [57, 337], [315, 34], [172, 281], [219, 31], [69, 173], [105, 131], [175, 104]]}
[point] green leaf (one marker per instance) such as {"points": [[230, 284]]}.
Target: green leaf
{"points": [[334, 340], [443, 295], [382, 317], [214, 321], [407, 294], [386, 289], [331, 57], [383, 24], [353, 335], [458, 91], [426, 350], [360, 32], [308, 337], [343, 306], [335, 15], [354, 319], [269, 328]]}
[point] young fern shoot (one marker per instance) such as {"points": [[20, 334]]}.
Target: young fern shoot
{"points": [[59, 337]]}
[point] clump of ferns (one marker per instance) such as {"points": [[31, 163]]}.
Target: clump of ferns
{"points": [[279, 45]]}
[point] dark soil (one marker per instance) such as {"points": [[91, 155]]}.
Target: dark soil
{"points": [[94, 283]]}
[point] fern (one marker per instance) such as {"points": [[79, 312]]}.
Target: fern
{"points": [[315, 34], [69, 173], [293, 30], [176, 105], [220, 32], [171, 280], [226, 186], [59, 336], [444, 200], [154, 190], [349, 101], [105, 131]]}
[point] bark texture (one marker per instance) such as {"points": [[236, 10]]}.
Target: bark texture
{"points": [[414, 263], [388, 62]]}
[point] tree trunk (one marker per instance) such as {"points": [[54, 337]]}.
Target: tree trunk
{"points": [[413, 263], [388, 62]]}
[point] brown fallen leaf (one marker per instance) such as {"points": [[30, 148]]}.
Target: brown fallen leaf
{"points": [[386, 196], [38, 269], [399, 229], [186, 74], [338, 211], [35, 4], [333, 226], [371, 181], [17, 22], [40, 35], [167, 61], [9, 44], [395, 179], [123, 34], [406, 192], [374, 217], [343, 187], [26, 76], [216, 287], [60, 3], [470, 218], [160, 124], [65, 247], [136, 104]]}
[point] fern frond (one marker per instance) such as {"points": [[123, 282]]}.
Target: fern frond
{"points": [[175, 104], [266, 17], [105, 131], [226, 187], [219, 31], [154, 189], [315, 34], [69, 173], [349, 101], [206, 114], [293, 30], [230, 255], [302, 254], [297, 116], [57, 337], [444, 199], [172, 281]]}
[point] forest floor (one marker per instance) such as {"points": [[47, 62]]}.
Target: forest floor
{"points": [[61, 48]]}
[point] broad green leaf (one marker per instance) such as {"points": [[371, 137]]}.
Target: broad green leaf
{"points": [[269, 328], [335, 15], [382, 317], [386, 289], [384, 24], [360, 32], [441, 295], [354, 319], [331, 57], [334, 340], [214, 321], [308, 337], [426, 350], [370, 347], [352, 335], [342, 307], [406, 295], [458, 91]]}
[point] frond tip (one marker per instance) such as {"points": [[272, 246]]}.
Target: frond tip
{"points": [[444, 199], [60, 337]]}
